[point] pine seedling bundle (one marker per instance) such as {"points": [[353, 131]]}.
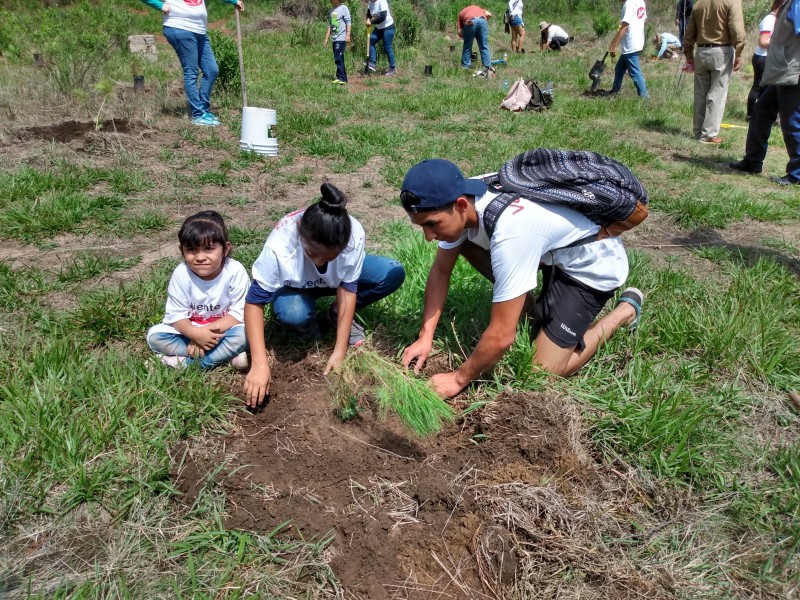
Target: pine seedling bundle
{"points": [[396, 389]]}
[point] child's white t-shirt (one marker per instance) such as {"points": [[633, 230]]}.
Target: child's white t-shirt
{"points": [[528, 233], [203, 302], [190, 15], [634, 14], [378, 7], [282, 262]]}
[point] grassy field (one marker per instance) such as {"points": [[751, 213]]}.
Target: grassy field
{"points": [[692, 410]]}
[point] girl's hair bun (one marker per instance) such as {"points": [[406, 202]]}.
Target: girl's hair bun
{"points": [[333, 199]]}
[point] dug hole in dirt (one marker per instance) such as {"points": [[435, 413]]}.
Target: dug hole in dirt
{"points": [[493, 506]]}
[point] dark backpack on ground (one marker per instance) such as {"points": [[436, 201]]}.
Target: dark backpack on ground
{"points": [[541, 99], [599, 187]]}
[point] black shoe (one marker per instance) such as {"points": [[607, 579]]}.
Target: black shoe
{"points": [[786, 180], [745, 167]]}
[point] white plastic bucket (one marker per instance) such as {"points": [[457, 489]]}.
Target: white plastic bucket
{"points": [[259, 131]]}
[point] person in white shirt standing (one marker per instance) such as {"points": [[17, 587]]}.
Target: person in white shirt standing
{"points": [[631, 35], [185, 23], [765, 28], [517, 25], [314, 252]]}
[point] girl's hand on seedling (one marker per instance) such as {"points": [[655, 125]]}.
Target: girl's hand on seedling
{"points": [[194, 350], [165, 8], [207, 337], [335, 361]]}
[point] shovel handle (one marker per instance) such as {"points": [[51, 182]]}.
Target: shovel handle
{"points": [[605, 56], [241, 58]]}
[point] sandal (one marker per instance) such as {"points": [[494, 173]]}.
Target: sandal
{"points": [[634, 297]]}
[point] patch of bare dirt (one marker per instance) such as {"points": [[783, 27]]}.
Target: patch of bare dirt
{"points": [[70, 130], [409, 517]]}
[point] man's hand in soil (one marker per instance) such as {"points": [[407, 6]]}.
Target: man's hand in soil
{"points": [[334, 362], [448, 385], [419, 350], [256, 385]]}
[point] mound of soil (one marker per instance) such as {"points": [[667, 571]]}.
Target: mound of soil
{"points": [[409, 517]]}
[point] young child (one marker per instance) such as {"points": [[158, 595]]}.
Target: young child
{"points": [[339, 33], [315, 252], [205, 300]]}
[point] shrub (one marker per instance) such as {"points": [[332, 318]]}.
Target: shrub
{"points": [[603, 23], [227, 60], [306, 10], [407, 23]]}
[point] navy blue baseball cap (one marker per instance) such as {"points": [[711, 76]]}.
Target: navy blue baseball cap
{"points": [[435, 184]]}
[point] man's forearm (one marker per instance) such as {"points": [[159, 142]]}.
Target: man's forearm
{"points": [[490, 349]]}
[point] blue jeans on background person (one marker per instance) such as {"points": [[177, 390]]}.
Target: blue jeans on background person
{"points": [[338, 58], [195, 54], [387, 35], [175, 344], [783, 100], [630, 63], [478, 31], [296, 307]]}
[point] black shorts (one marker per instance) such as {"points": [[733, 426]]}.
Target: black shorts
{"points": [[567, 307]]}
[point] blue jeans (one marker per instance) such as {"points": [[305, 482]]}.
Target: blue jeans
{"points": [[380, 276], [195, 53], [783, 100], [171, 343], [387, 35], [338, 58], [478, 31], [629, 63]]}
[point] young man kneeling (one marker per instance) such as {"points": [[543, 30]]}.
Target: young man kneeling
{"points": [[578, 281]]}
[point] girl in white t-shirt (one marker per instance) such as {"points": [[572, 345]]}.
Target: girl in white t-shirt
{"points": [[204, 316], [314, 252]]}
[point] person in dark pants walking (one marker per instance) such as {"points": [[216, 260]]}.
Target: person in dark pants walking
{"points": [[682, 13], [765, 28]]}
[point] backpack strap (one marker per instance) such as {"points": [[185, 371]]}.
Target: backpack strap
{"points": [[499, 203]]}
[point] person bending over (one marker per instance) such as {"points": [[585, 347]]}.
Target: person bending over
{"points": [[311, 253], [577, 281]]}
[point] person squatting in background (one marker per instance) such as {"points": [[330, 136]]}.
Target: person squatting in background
{"points": [[382, 23], [517, 25], [338, 32], [473, 25], [631, 34], [667, 45], [553, 37], [314, 252], [204, 313], [185, 23]]}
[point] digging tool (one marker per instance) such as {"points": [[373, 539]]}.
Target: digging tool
{"points": [[241, 58], [366, 62], [597, 71]]}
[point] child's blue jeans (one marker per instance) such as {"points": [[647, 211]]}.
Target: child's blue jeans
{"points": [[296, 307], [338, 58], [166, 340], [195, 53]]}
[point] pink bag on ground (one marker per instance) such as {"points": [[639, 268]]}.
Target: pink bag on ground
{"points": [[518, 96]]}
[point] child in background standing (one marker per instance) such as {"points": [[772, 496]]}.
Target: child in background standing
{"points": [[314, 252], [205, 300], [339, 33]]}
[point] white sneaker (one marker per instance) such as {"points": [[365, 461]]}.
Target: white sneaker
{"points": [[240, 362], [174, 362]]}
